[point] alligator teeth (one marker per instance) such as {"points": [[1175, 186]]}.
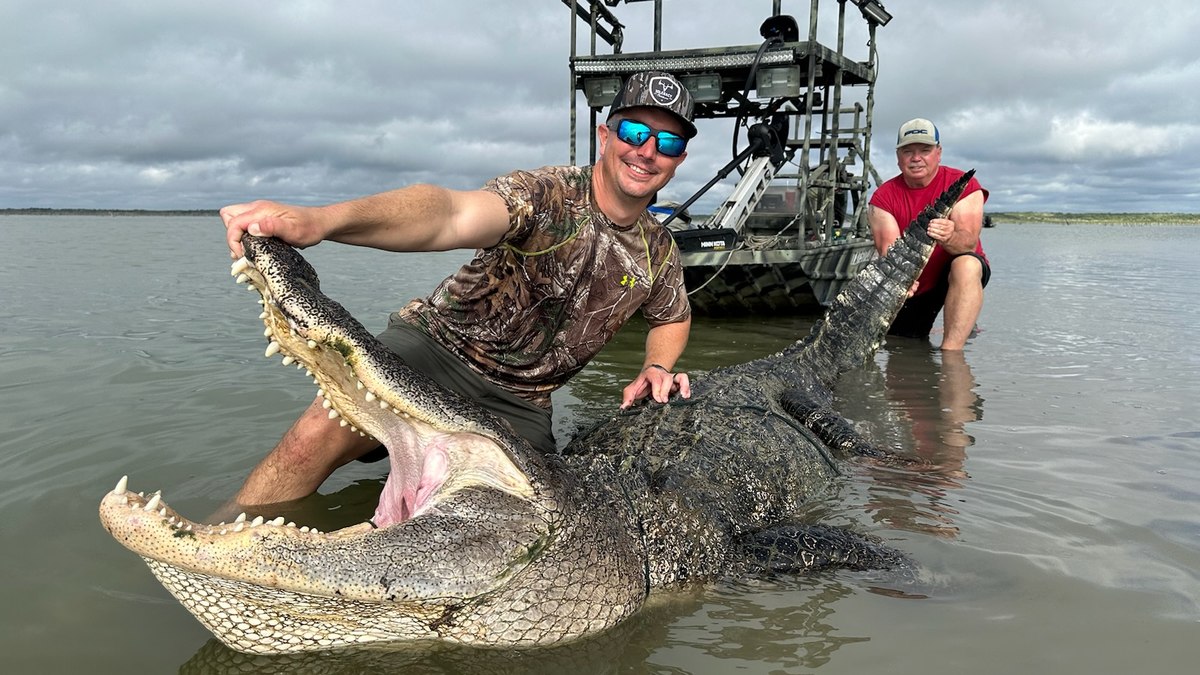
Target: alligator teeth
{"points": [[383, 404], [267, 332], [242, 278], [333, 414], [278, 521], [240, 265], [122, 485], [287, 360], [262, 315], [258, 520], [370, 396], [327, 404], [153, 503], [343, 423], [273, 349]]}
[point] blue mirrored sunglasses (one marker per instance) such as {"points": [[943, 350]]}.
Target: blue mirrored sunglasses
{"points": [[636, 134]]}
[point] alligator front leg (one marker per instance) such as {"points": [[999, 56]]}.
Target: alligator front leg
{"points": [[798, 548]]}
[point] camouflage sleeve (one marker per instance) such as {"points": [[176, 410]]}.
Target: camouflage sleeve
{"points": [[517, 191], [668, 301], [540, 204]]}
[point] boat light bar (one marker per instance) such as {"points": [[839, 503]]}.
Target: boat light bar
{"points": [[776, 82], [600, 91], [705, 88]]}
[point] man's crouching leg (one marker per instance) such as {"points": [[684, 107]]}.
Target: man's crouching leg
{"points": [[964, 300], [312, 449]]}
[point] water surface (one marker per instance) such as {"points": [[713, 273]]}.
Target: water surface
{"points": [[1058, 529]]}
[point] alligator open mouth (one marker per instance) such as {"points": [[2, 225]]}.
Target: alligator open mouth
{"points": [[432, 436], [241, 579]]}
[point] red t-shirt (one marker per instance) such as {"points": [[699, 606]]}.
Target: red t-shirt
{"points": [[905, 204]]}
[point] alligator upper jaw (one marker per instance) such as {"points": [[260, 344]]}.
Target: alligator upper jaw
{"points": [[431, 435]]}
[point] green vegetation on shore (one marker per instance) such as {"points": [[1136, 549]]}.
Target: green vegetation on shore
{"points": [[1095, 218]]}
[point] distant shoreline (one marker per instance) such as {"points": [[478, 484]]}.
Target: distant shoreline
{"points": [[1095, 218], [996, 216]]}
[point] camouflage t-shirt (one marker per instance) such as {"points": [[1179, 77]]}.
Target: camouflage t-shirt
{"points": [[530, 312]]}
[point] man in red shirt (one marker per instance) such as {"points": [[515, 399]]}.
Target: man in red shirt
{"points": [[958, 270]]}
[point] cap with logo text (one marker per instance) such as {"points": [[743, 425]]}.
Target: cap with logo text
{"points": [[656, 89], [918, 131]]}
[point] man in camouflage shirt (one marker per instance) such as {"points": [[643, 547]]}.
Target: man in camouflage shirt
{"points": [[565, 255]]}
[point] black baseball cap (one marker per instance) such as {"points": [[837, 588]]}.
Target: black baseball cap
{"points": [[656, 89]]}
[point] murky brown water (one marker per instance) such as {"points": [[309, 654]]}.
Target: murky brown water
{"points": [[1059, 532]]}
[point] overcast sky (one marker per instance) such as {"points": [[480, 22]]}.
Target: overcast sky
{"points": [[1063, 105]]}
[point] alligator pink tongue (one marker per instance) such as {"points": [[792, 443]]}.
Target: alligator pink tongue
{"points": [[408, 486]]}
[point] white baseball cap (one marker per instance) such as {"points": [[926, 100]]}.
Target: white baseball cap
{"points": [[918, 131]]}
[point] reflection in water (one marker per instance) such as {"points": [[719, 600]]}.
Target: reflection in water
{"points": [[928, 398], [789, 636]]}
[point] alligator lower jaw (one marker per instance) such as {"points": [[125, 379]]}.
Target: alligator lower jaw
{"points": [[135, 520], [253, 606]]}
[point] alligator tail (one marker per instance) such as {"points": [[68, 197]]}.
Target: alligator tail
{"points": [[858, 319]]}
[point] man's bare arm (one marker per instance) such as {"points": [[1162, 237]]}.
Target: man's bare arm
{"points": [[967, 215], [414, 218], [884, 228]]}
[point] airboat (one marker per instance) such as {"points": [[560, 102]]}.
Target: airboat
{"points": [[793, 228]]}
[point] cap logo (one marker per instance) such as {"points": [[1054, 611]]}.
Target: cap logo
{"points": [[665, 90], [910, 132]]}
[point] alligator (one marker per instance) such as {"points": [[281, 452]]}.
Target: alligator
{"points": [[480, 540]]}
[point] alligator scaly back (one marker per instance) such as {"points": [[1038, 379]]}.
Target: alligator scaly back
{"points": [[838, 342]]}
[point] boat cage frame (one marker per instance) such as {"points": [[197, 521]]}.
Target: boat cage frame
{"points": [[798, 80]]}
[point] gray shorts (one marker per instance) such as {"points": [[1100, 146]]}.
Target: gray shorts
{"points": [[422, 353]]}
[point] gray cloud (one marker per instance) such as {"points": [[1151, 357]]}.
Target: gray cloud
{"points": [[1060, 105]]}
